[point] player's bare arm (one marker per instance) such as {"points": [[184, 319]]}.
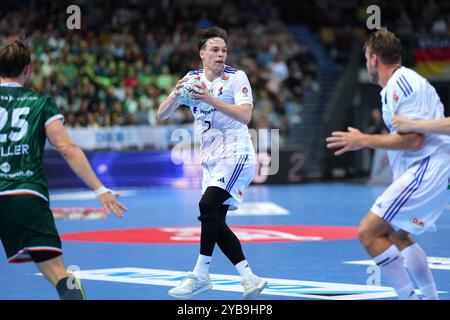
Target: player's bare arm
{"points": [[75, 157], [241, 113], [403, 125], [353, 140], [170, 103]]}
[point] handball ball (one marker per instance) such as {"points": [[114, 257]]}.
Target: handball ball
{"points": [[186, 98]]}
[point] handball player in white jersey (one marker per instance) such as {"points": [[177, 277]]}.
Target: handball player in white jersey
{"points": [[420, 165], [222, 108]]}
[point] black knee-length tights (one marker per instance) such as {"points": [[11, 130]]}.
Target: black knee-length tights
{"points": [[214, 227]]}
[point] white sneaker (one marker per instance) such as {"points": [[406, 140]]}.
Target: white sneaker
{"points": [[252, 286], [190, 286]]}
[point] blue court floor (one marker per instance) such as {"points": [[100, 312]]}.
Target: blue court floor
{"points": [[298, 266]]}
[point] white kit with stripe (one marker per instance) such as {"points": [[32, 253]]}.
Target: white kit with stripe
{"points": [[409, 94], [419, 193], [226, 150]]}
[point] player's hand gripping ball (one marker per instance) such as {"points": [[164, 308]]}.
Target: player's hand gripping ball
{"points": [[186, 92]]}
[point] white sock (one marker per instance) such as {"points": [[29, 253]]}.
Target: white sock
{"points": [[429, 292], [201, 269], [416, 262], [391, 265], [243, 268]]}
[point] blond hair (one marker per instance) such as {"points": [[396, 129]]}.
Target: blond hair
{"points": [[386, 45]]}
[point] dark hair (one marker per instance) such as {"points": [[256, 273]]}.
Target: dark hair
{"points": [[14, 57], [213, 32], [386, 45]]}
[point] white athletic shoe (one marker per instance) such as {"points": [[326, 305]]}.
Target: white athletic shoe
{"points": [[252, 286], [190, 286]]}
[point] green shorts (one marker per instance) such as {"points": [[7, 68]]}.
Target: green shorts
{"points": [[27, 224]]}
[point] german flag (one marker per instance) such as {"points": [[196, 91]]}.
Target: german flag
{"points": [[433, 62]]}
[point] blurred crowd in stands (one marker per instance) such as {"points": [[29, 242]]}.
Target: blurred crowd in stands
{"points": [[129, 54], [339, 22], [127, 58]]}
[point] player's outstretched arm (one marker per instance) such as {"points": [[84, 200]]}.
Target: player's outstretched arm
{"points": [[75, 157], [170, 103], [404, 125], [353, 140]]}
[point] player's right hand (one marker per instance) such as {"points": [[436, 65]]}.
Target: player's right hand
{"points": [[110, 203], [345, 141]]}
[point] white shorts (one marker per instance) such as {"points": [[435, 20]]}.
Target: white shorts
{"points": [[415, 200], [232, 176]]}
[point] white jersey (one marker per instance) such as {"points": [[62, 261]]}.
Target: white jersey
{"points": [[409, 94], [221, 136]]}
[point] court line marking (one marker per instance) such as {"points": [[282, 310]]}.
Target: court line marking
{"points": [[231, 283]]}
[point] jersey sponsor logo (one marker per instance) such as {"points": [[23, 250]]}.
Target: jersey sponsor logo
{"points": [[5, 167], [419, 222], [191, 234], [26, 98], [14, 175], [203, 111], [231, 283], [211, 110], [8, 98], [221, 180], [11, 98]]}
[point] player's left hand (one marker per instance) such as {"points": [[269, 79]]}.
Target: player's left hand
{"points": [[401, 124], [203, 92], [345, 141]]}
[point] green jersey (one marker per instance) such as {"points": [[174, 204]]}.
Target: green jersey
{"points": [[24, 114]]}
